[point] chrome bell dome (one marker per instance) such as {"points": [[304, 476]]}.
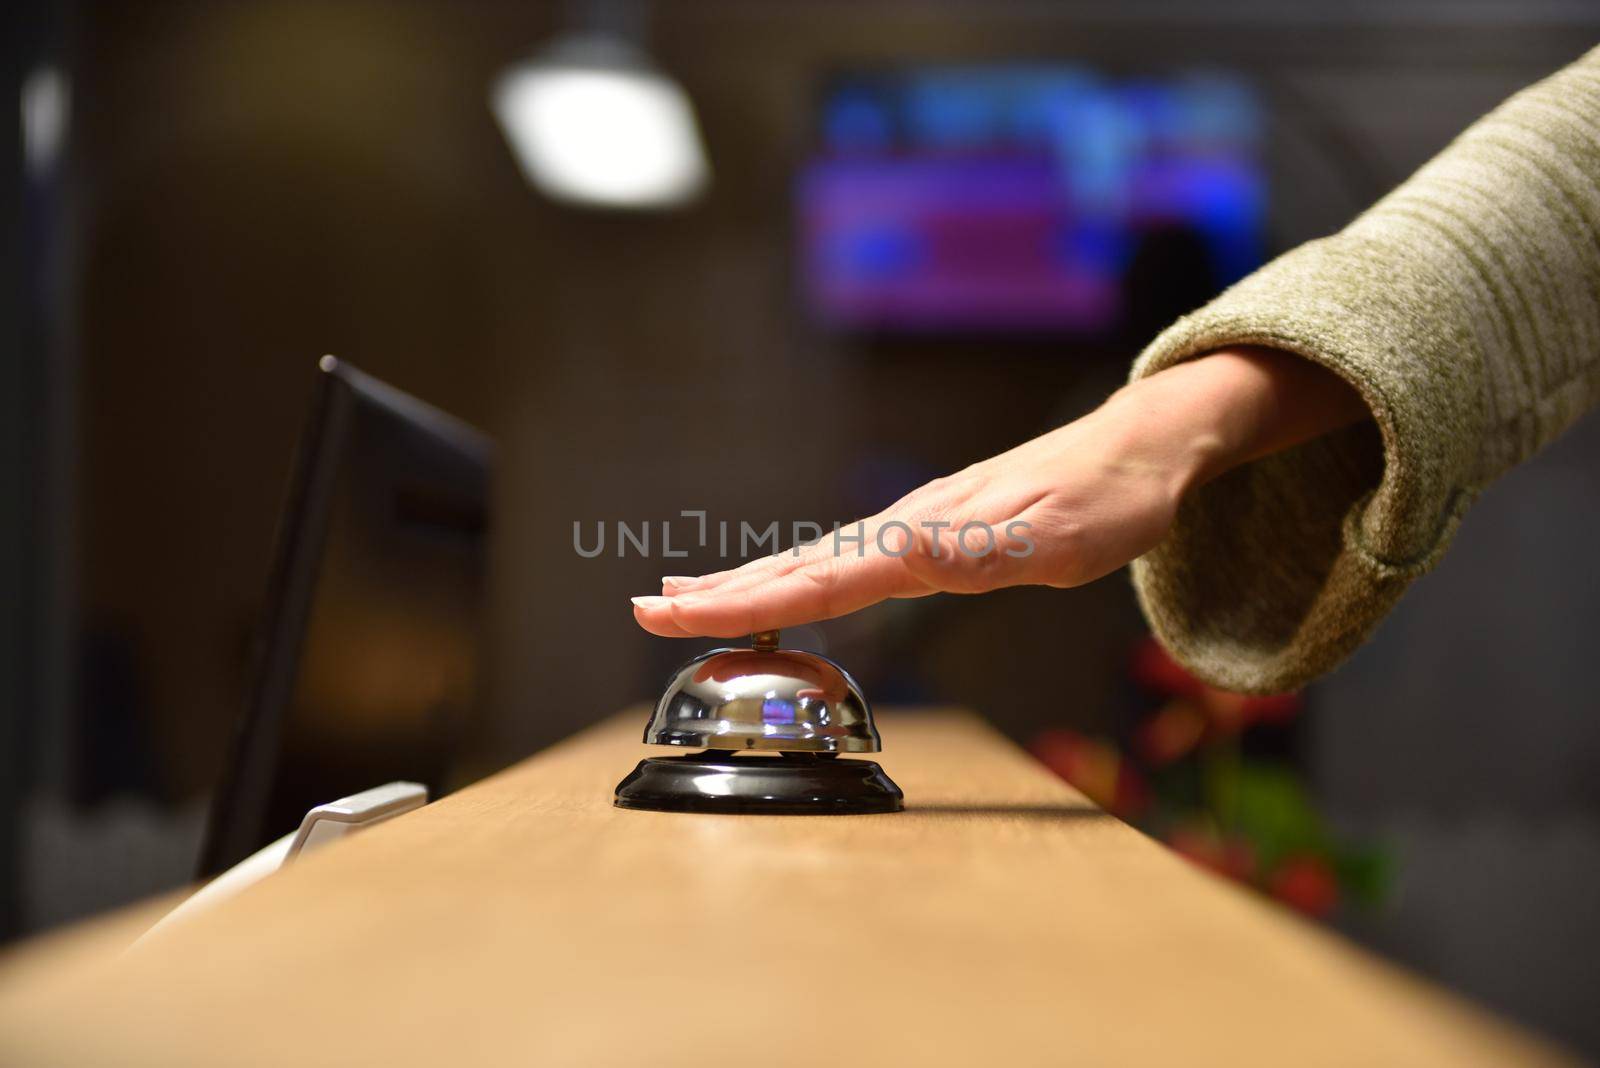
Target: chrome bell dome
{"points": [[730, 702], [764, 698]]}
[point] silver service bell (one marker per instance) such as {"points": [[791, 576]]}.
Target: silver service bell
{"points": [[800, 706]]}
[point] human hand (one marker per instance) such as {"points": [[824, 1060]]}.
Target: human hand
{"points": [[1060, 510]]}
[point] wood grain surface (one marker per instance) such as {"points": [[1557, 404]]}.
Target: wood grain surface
{"points": [[1000, 919]]}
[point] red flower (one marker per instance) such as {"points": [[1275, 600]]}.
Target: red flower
{"points": [[1231, 856], [1154, 669], [1096, 768], [1307, 883], [1227, 712], [1172, 733], [1276, 708]]}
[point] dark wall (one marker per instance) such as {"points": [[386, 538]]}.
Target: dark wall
{"points": [[17, 549], [1466, 736]]}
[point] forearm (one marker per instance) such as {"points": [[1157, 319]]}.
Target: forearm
{"points": [[1211, 414], [1465, 306]]}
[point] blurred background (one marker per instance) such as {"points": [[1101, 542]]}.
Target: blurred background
{"points": [[852, 246]]}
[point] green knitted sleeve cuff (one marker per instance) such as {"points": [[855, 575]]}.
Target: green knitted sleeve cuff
{"points": [[1275, 572]]}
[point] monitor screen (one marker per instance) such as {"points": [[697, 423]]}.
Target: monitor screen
{"points": [[367, 667], [999, 199]]}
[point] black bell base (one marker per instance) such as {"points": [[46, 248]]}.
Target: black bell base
{"points": [[789, 784]]}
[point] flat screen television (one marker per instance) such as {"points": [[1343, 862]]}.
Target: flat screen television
{"points": [[1022, 199]]}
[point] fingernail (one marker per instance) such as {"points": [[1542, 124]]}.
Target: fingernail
{"points": [[651, 602], [678, 580]]}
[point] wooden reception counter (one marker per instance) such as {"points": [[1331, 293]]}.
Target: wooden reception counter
{"points": [[1001, 919]]}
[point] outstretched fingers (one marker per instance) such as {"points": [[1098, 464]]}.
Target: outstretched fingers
{"points": [[759, 569], [820, 587]]}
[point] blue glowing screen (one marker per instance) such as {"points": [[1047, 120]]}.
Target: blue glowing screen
{"points": [[1010, 198]]}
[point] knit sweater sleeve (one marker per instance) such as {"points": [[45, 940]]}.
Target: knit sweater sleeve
{"points": [[1465, 309]]}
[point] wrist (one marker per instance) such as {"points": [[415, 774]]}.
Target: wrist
{"points": [[1158, 425], [1203, 417]]}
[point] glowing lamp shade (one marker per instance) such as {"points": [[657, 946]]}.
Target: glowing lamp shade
{"points": [[613, 134]]}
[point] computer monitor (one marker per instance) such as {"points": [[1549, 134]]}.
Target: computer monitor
{"points": [[367, 663]]}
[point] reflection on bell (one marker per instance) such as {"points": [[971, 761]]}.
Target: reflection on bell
{"points": [[773, 723]]}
